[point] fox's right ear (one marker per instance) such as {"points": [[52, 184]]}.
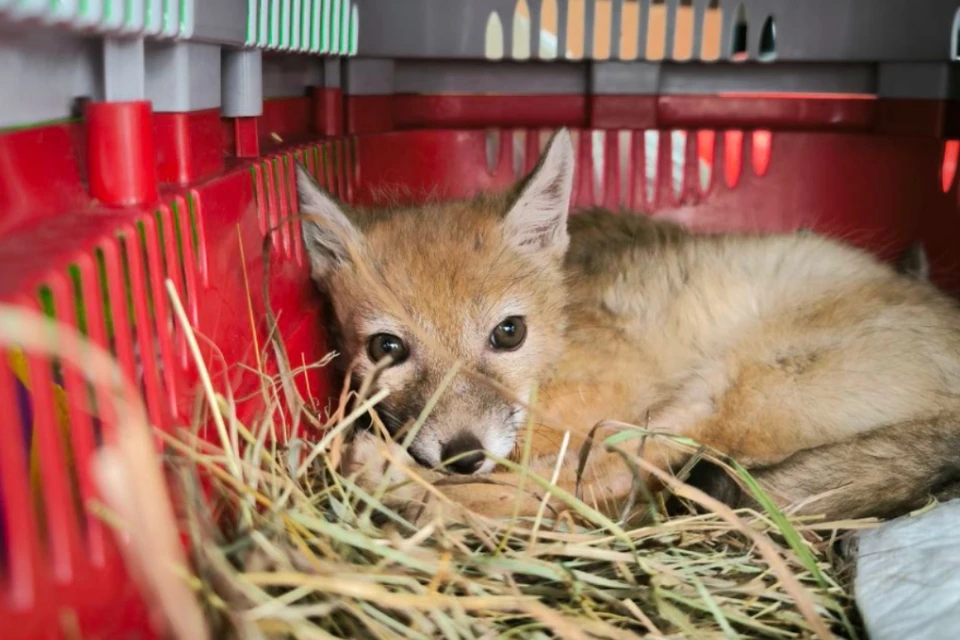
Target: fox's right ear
{"points": [[327, 232], [537, 221]]}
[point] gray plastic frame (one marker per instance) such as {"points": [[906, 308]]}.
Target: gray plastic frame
{"points": [[806, 30], [201, 54]]}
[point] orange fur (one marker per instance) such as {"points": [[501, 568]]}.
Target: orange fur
{"points": [[799, 356]]}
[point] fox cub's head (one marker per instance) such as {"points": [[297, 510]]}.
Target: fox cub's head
{"points": [[478, 282]]}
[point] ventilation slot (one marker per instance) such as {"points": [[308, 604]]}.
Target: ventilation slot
{"points": [[656, 47], [139, 313], [17, 527], [760, 149], [197, 237], [712, 30], [955, 39], [53, 460], [683, 31], [678, 155], [768, 40], [625, 165], [651, 155], [629, 30], [519, 139], [549, 47], [732, 157], [706, 149], [493, 38], [739, 36], [948, 168], [521, 31], [85, 314], [576, 24], [602, 29]]}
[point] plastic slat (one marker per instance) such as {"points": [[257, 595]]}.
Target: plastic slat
{"points": [[94, 305], [62, 529], [335, 23], [187, 14], [112, 17], [296, 222], [162, 316], [80, 422], [174, 271], [190, 268], [153, 17], [28, 8], [354, 31], [23, 567], [273, 35], [634, 171], [283, 200], [290, 186], [195, 212], [285, 20], [296, 14], [263, 22], [251, 31], [117, 308], [611, 170], [326, 20], [135, 19]]}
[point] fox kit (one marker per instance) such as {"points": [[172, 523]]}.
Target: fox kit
{"points": [[833, 377]]}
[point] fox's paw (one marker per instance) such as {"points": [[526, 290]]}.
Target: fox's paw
{"points": [[377, 466]]}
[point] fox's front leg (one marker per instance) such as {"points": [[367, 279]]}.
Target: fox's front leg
{"points": [[419, 494]]}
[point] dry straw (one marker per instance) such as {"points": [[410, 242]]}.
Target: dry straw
{"points": [[282, 545]]}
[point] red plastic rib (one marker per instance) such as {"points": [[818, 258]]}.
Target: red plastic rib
{"points": [[328, 111], [847, 179], [121, 156], [188, 145]]}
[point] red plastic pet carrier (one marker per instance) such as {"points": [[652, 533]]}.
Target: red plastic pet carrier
{"points": [[147, 140]]}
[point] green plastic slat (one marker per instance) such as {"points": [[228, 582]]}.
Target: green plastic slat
{"points": [[335, 23], [284, 23], [29, 8], [295, 25], [91, 13], [354, 30], [61, 10], [273, 40], [345, 27], [306, 7], [171, 18], [264, 23], [112, 14], [251, 36], [325, 26], [186, 18], [153, 17], [133, 16], [316, 11]]}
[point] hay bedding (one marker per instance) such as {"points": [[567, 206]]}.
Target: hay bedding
{"points": [[283, 546]]}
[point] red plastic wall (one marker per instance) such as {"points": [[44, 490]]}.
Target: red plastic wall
{"points": [[877, 173]]}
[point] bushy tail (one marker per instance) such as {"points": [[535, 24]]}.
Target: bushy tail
{"points": [[884, 473]]}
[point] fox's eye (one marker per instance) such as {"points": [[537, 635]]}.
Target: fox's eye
{"points": [[384, 344], [509, 334]]}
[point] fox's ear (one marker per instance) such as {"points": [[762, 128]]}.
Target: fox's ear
{"points": [[913, 262], [537, 221], [327, 232]]}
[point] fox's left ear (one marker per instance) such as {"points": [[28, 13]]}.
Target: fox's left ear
{"points": [[328, 233], [537, 221]]}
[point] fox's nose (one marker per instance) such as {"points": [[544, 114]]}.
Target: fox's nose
{"points": [[470, 450]]}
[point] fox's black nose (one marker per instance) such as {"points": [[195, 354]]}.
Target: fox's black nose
{"points": [[470, 450]]}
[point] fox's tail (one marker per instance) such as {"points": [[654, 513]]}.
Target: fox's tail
{"points": [[884, 473]]}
